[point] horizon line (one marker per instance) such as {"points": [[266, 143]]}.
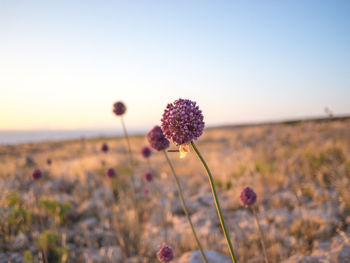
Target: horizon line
{"points": [[213, 126]]}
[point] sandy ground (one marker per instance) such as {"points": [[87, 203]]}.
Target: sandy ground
{"points": [[300, 171]]}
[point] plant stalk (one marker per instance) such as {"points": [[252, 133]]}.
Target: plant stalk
{"points": [[216, 200], [184, 207], [130, 156], [36, 191], [261, 234], [149, 164]]}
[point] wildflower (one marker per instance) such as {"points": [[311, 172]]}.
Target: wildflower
{"points": [[165, 253], [49, 161], [104, 147], [148, 177], [36, 174], [119, 108], [182, 121], [157, 139], [111, 173], [145, 191], [63, 186], [248, 196], [146, 152]]}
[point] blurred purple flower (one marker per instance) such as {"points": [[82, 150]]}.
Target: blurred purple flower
{"points": [[182, 121], [36, 174], [49, 161], [146, 152], [157, 139], [165, 253], [104, 147], [111, 173], [145, 191], [119, 108], [248, 196], [148, 176], [63, 186]]}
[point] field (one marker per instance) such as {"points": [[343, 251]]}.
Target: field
{"points": [[75, 213]]}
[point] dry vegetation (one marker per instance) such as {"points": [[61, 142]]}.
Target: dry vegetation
{"points": [[300, 171]]}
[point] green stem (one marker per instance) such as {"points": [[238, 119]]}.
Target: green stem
{"points": [[130, 155], [162, 206], [163, 211], [216, 200], [261, 235], [149, 164], [36, 190], [184, 207]]}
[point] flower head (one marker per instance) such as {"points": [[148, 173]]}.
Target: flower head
{"points": [[145, 191], [248, 196], [119, 108], [165, 253], [146, 152], [157, 139], [36, 174], [182, 121], [48, 161], [111, 173], [104, 147], [148, 176]]}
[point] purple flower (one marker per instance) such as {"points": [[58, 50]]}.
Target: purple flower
{"points": [[36, 174], [148, 177], [157, 139], [145, 191], [104, 147], [146, 152], [111, 173], [119, 108], [49, 161], [182, 121], [248, 196], [165, 253]]}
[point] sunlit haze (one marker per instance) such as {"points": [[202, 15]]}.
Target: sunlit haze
{"points": [[64, 63]]}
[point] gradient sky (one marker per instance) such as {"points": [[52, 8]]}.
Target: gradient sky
{"points": [[64, 63]]}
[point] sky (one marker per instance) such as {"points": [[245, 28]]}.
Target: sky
{"points": [[64, 63]]}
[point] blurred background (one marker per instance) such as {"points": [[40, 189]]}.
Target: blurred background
{"points": [[282, 64], [64, 63]]}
